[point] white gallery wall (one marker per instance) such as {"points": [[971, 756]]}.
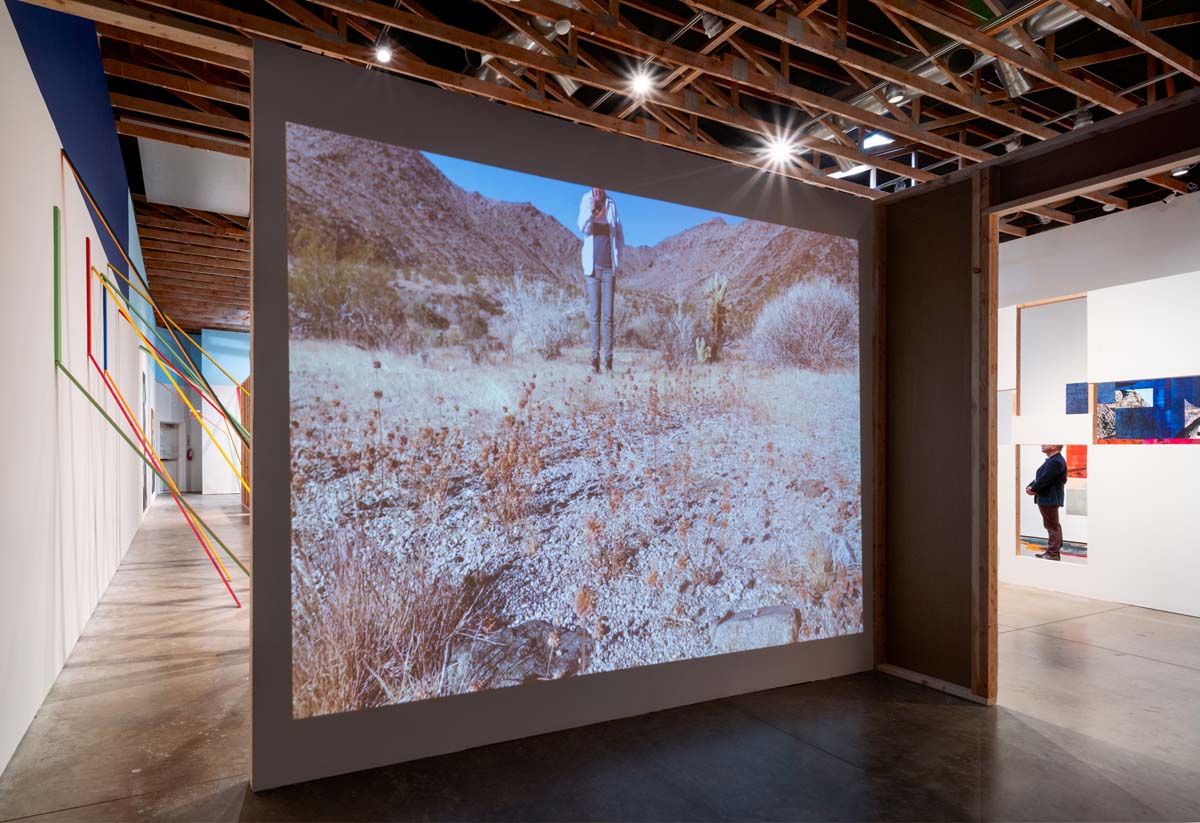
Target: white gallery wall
{"points": [[1140, 272], [70, 489]]}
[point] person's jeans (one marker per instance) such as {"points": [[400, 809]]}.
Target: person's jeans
{"points": [[1053, 529], [600, 311]]}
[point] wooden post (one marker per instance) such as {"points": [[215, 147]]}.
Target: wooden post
{"points": [[984, 268], [879, 439]]}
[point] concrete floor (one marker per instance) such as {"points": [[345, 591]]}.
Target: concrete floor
{"points": [[1097, 720]]}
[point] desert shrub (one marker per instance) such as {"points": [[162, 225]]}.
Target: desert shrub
{"points": [[639, 329], [813, 325], [368, 631], [339, 293], [539, 316], [677, 341]]}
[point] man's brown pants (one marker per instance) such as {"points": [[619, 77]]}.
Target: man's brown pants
{"points": [[1053, 530]]}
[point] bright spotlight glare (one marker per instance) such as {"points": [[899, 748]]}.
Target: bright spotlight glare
{"points": [[641, 84], [383, 53], [780, 150], [876, 139]]}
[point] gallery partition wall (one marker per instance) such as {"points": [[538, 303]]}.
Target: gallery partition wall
{"points": [[937, 584], [553, 426]]}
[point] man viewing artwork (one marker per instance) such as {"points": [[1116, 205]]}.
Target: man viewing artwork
{"points": [[602, 243], [471, 509], [1047, 492]]}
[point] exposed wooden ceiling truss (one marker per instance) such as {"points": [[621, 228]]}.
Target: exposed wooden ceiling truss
{"points": [[197, 265], [861, 96]]}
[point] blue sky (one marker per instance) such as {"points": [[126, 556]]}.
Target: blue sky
{"points": [[645, 221]]}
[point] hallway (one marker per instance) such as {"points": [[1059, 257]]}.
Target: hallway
{"points": [[149, 720]]}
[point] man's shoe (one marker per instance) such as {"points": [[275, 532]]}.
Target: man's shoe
{"points": [[608, 363], [1048, 556], [595, 365]]}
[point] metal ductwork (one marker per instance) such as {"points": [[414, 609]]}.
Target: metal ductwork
{"points": [[548, 30], [711, 24], [962, 60], [1014, 80]]}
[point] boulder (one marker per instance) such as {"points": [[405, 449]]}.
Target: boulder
{"points": [[757, 629], [525, 653]]}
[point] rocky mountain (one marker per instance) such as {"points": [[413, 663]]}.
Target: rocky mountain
{"points": [[398, 205]]}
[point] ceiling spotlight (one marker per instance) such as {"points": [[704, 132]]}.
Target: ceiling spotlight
{"points": [[383, 53], [1170, 198], [1180, 171], [1083, 119], [1012, 144], [780, 150], [1108, 207], [1043, 219], [641, 83], [896, 93], [562, 26]]}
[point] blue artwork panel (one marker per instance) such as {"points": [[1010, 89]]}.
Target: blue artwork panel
{"points": [[1161, 410], [1077, 398]]}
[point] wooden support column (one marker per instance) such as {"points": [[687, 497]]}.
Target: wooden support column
{"points": [[984, 280]]}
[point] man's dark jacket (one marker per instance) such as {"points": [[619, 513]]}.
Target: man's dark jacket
{"points": [[1048, 484]]}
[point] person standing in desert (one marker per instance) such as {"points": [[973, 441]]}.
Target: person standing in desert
{"points": [[602, 243]]}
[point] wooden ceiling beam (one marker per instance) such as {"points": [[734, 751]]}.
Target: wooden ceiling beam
{"points": [[605, 31], [1172, 21], [929, 17], [140, 105], [194, 241], [302, 16], [407, 64], [217, 276], [172, 46], [158, 257], [151, 245], [150, 221], [1125, 27], [1099, 57], [189, 139], [161, 289], [730, 30], [738, 119], [156, 24], [175, 82]]}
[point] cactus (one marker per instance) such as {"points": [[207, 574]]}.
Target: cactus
{"points": [[717, 291]]}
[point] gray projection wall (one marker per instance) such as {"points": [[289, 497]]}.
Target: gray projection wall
{"points": [[929, 391], [290, 85]]}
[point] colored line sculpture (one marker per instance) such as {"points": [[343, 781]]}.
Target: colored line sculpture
{"points": [[173, 358]]}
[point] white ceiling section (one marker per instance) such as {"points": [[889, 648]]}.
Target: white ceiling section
{"points": [[195, 178]]}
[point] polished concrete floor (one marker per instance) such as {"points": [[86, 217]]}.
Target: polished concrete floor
{"points": [[1098, 720]]}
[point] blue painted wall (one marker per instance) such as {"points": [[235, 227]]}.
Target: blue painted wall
{"points": [[229, 348], [65, 57]]}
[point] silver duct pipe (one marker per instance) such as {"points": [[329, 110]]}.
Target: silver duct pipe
{"points": [[547, 29], [961, 60]]}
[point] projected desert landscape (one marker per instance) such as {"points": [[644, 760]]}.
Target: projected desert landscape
{"points": [[473, 508]]}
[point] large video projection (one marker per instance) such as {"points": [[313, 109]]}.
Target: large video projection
{"points": [[541, 430]]}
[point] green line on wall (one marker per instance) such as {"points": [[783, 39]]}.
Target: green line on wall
{"points": [[57, 285], [153, 468]]}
